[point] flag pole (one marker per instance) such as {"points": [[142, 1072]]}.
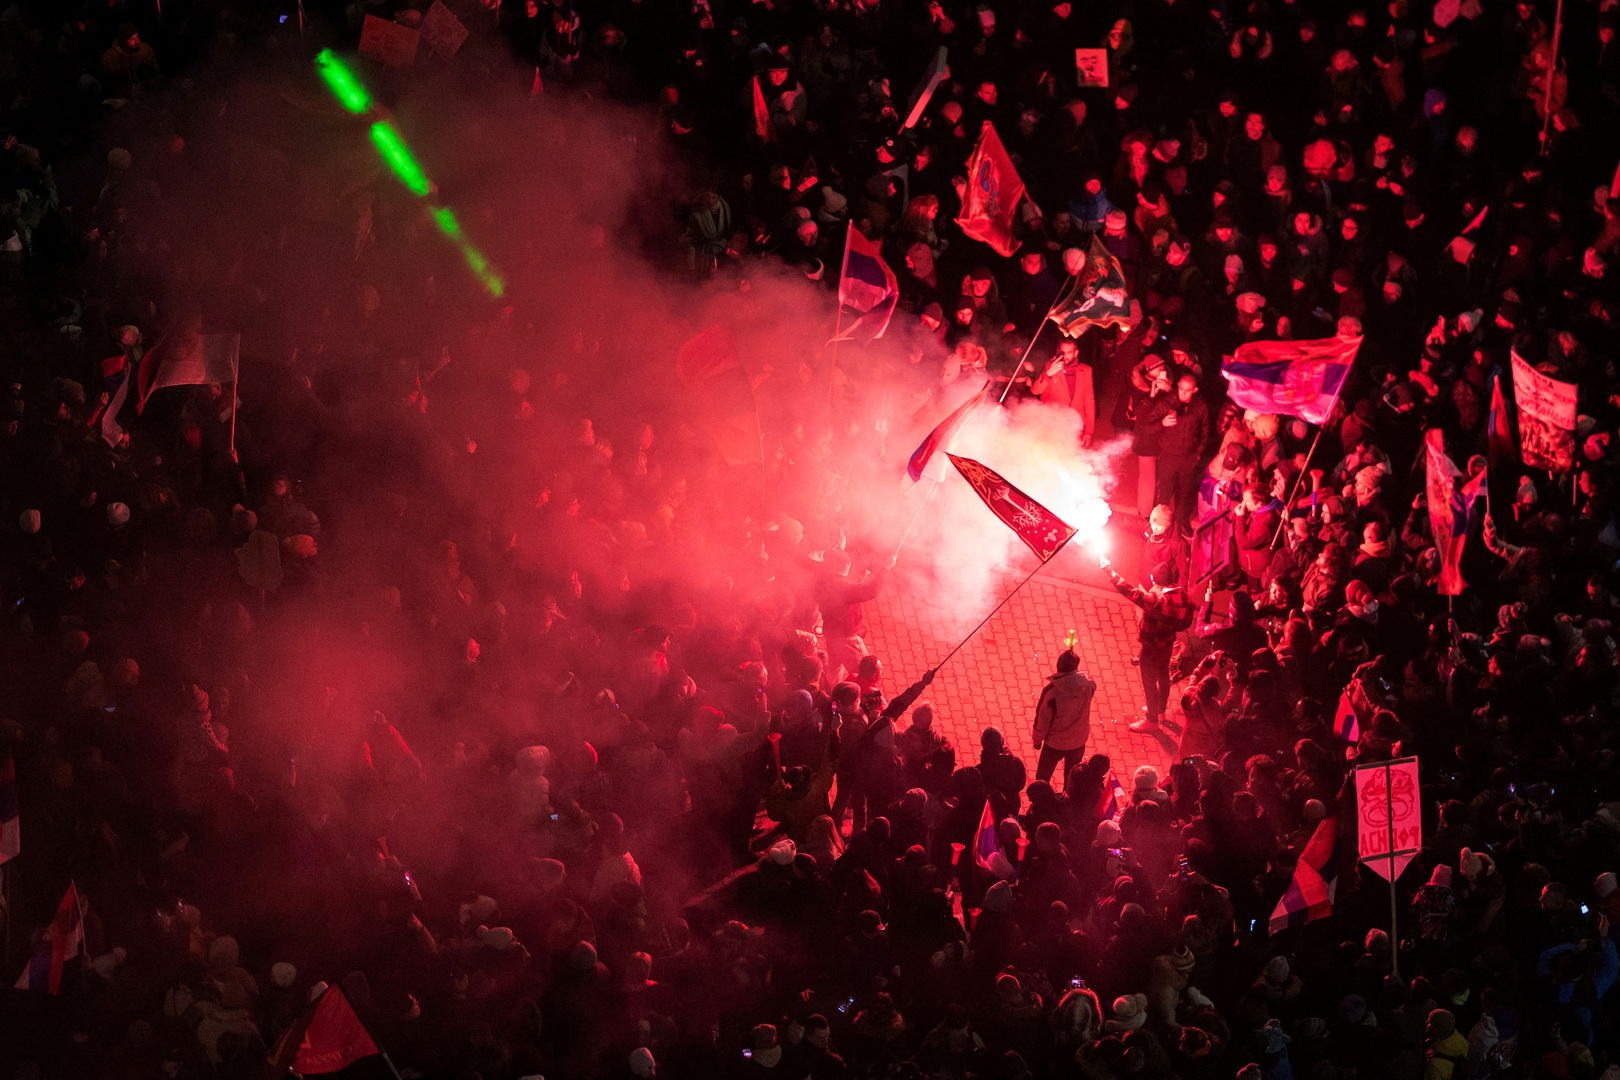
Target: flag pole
{"points": [[1022, 360], [1394, 937], [1294, 491], [1552, 74], [832, 360], [1027, 579], [923, 505]]}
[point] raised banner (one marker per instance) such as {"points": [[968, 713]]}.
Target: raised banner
{"points": [[1389, 815], [443, 31], [1091, 65], [1043, 531], [1546, 418], [388, 41]]}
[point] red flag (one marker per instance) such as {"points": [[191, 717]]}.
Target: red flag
{"points": [[988, 854], [994, 191], [1042, 530], [762, 115], [941, 435], [1498, 436], [328, 1038], [1451, 502], [1346, 721]]}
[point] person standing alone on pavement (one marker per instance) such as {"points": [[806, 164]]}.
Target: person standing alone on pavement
{"points": [[1166, 612], [1063, 717]]}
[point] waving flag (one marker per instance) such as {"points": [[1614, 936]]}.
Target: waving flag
{"points": [[1036, 526], [937, 70], [329, 1037], [1346, 721], [188, 357], [866, 283], [1095, 296], [1498, 436], [762, 115], [1293, 378], [10, 831], [1112, 802], [994, 190], [1316, 877], [64, 939], [1451, 499], [942, 434], [122, 404], [988, 854]]}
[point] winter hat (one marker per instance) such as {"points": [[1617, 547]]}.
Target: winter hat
{"points": [[223, 953], [1145, 780], [1197, 998], [1251, 1071], [1313, 810], [1353, 1009], [29, 521], [498, 938], [1606, 884], [480, 910], [1441, 1024], [782, 852], [1108, 834], [117, 514], [283, 974], [1194, 1043], [582, 957], [998, 898], [109, 962], [1377, 941], [1441, 876], [1272, 1039], [642, 1064], [1276, 970], [1312, 1027], [1470, 864], [801, 706], [1130, 1013]]}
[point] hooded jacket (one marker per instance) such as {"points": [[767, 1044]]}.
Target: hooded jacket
{"points": [[1063, 713]]}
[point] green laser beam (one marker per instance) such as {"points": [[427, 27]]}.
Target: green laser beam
{"points": [[349, 91], [342, 82]]}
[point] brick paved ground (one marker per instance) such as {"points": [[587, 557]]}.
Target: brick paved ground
{"points": [[997, 675]]}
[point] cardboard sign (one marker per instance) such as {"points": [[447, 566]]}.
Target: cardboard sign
{"points": [[1546, 418], [1091, 65], [1389, 815], [393, 44], [443, 31]]}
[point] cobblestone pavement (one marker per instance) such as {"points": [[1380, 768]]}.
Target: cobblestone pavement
{"points": [[996, 677]]}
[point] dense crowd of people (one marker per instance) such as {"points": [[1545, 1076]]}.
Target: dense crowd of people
{"points": [[463, 673]]}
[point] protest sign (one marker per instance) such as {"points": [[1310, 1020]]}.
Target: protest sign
{"points": [[443, 31], [1546, 418], [1091, 65], [393, 44], [1389, 815]]}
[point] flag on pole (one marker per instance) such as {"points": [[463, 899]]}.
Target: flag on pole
{"points": [[942, 434], [1451, 498], [866, 283], [1346, 722], [937, 70], [1293, 378], [762, 115], [122, 404], [64, 939], [1036, 526], [10, 825], [994, 191], [988, 854], [328, 1037], [188, 357], [1498, 436], [1095, 297], [1316, 879]]}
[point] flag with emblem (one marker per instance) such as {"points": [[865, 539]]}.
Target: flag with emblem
{"points": [[328, 1037], [993, 193], [1043, 531], [1290, 378], [1095, 297]]}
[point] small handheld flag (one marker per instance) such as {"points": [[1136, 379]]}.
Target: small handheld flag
{"points": [[942, 434]]}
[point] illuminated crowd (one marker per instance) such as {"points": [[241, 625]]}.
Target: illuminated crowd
{"points": [[449, 661]]}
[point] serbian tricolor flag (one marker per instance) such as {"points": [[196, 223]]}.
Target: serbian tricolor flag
{"points": [[1043, 531], [993, 193], [1291, 378], [1498, 436], [988, 854], [63, 940], [188, 357], [1451, 499], [10, 825], [1095, 297], [1316, 877], [942, 434], [1112, 802], [328, 1037], [866, 282], [1346, 721]]}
